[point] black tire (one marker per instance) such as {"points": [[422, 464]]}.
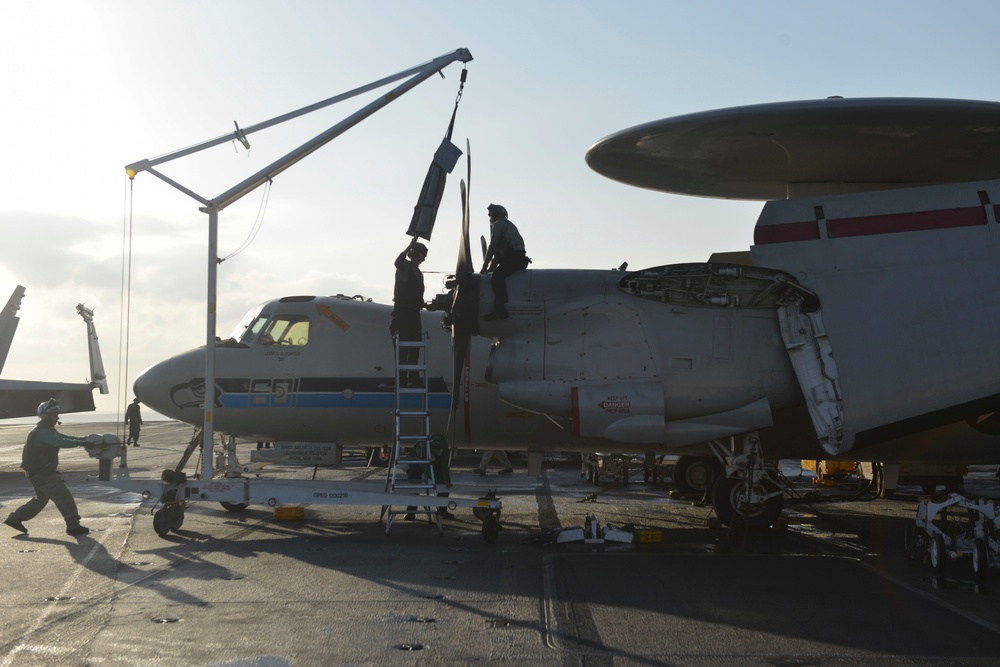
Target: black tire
{"points": [[725, 497], [980, 559], [233, 507], [162, 521], [936, 554], [491, 528], [176, 517], [692, 473]]}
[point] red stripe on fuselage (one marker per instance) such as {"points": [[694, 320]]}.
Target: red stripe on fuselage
{"points": [[786, 232], [892, 223], [906, 222]]}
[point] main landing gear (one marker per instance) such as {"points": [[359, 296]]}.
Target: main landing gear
{"points": [[748, 495]]}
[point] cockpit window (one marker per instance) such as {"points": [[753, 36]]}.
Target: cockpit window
{"points": [[249, 331], [248, 327], [285, 330]]}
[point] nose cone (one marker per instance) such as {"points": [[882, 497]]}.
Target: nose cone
{"points": [[175, 387]]}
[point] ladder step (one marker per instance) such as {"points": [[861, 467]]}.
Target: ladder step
{"points": [[413, 413], [413, 486], [413, 438]]}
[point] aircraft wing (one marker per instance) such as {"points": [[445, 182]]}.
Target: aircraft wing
{"points": [[8, 322], [20, 398]]}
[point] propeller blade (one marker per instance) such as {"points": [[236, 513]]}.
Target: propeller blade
{"points": [[464, 309], [464, 266]]}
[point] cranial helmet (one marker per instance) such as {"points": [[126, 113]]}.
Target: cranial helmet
{"points": [[48, 407], [417, 249], [496, 211]]}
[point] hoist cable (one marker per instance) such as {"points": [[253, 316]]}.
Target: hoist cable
{"points": [[257, 224], [125, 301], [458, 98]]}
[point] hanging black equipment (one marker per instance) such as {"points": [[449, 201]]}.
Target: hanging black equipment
{"points": [[445, 159]]}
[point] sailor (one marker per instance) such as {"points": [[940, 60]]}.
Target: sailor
{"points": [[407, 301], [40, 458], [133, 419], [504, 256]]}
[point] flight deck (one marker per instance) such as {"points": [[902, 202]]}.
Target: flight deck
{"points": [[830, 585]]}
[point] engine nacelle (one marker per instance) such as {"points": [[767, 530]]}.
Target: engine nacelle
{"points": [[631, 412]]}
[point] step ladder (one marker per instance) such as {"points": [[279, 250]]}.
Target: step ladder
{"points": [[410, 466]]}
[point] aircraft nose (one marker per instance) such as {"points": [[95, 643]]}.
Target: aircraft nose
{"points": [[171, 387]]}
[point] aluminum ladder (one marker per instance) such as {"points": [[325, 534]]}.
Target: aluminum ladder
{"points": [[411, 435]]}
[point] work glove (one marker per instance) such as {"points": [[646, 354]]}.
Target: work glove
{"points": [[98, 446]]}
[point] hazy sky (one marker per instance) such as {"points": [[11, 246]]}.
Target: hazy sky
{"points": [[89, 87]]}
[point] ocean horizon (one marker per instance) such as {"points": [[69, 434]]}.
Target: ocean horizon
{"points": [[92, 417]]}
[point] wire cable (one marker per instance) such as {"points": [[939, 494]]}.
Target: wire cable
{"points": [[257, 223], [125, 306]]}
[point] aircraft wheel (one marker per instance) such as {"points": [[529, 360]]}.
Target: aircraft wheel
{"points": [[692, 473], [491, 528], [162, 520], [727, 495], [377, 456], [176, 517], [233, 507], [937, 554], [980, 559]]}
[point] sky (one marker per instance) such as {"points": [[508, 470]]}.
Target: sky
{"points": [[91, 86]]}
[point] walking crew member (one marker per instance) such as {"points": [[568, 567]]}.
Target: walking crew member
{"points": [[133, 419], [40, 458], [504, 256]]}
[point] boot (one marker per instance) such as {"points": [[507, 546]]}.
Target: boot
{"points": [[15, 524]]}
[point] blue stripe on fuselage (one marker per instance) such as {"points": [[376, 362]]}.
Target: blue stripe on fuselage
{"points": [[334, 401]]}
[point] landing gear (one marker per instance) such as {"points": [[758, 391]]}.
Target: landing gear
{"points": [[167, 518], [740, 504], [749, 494], [693, 474], [378, 456], [598, 466]]}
